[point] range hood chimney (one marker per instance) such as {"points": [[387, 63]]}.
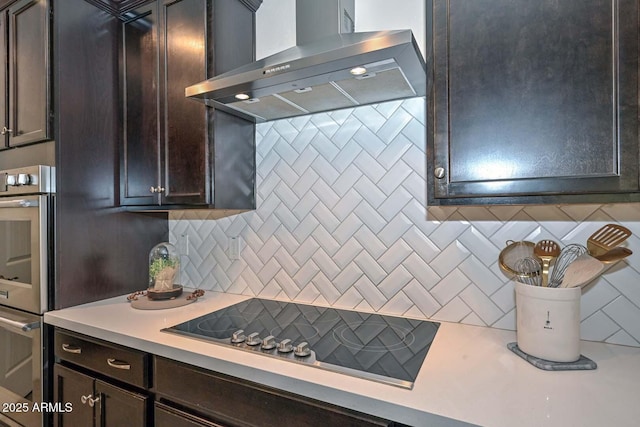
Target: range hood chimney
{"points": [[330, 68]]}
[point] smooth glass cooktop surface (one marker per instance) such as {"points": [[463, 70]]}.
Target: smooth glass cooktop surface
{"points": [[384, 348]]}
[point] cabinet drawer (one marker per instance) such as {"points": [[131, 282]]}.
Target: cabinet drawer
{"points": [[122, 363], [243, 403], [166, 416]]}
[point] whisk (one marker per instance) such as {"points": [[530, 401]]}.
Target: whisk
{"points": [[567, 255], [529, 271]]}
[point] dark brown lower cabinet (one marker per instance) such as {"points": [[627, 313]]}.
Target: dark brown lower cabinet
{"points": [[102, 384], [94, 402], [192, 396]]}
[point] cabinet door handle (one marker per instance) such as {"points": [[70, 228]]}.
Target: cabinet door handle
{"points": [[5, 130], [118, 364], [157, 189], [90, 399], [70, 348]]}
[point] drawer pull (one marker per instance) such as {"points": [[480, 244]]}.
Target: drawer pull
{"points": [[69, 348], [118, 364]]}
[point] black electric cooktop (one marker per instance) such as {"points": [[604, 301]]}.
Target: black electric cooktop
{"points": [[387, 349]]}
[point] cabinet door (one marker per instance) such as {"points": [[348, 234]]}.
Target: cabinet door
{"points": [[140, 156], [4, 76], [29, 100], [533, 98], [70, 386], [183, 55], [118, 407]]}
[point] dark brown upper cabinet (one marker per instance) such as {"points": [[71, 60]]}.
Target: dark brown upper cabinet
{"points": [[177, 152], [121, 7], [532, 102], [25, 102]]}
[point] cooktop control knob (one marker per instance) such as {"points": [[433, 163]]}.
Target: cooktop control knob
{"points": [[302, 350], [238, 337], [254, 339], [285, 346], [12, 180], [269, 343]]}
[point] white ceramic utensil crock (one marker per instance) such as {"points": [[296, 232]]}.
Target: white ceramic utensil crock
{"points": [[548, 322]]}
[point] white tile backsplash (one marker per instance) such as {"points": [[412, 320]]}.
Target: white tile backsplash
{"points": [[341, 221]]}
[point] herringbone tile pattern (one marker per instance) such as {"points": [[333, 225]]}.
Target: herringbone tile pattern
{"points": [[341, 221]]}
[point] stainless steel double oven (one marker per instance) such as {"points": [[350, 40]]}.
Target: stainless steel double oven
{"points": [[26, 271]]}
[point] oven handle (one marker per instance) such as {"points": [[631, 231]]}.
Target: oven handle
{"points": [[23, 326], [19, 203]]}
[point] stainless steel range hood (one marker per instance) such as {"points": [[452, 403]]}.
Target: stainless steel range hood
{"points": [[338, 71]]}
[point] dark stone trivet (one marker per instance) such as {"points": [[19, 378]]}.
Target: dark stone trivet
{"points": [[584, 363]]}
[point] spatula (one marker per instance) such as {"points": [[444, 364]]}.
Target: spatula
{"points": [[607, 238], [581, 271], [614, 255]]}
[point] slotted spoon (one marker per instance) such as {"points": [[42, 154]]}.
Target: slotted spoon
{"points": [[547, 250], [607, 238]]}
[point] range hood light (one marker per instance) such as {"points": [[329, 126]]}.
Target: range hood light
{"points": [[242, 96], [358, 71]]}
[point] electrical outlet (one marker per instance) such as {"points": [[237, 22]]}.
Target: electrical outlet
{"points": [[233, 251], [183, 244]]}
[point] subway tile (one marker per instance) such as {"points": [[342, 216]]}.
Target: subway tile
{"points": [[454, 311], [397, 305], [622, 338], [394, 282], [393, 125], [449, 287], [480, 274], [370, 292], [422, 299], [625, 314], [480, 304], [394, 152], [449, 258], [326, 124], [598, 327], [348, 299], [395, 255]]}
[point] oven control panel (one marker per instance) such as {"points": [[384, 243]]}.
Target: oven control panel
{"points": [[28, 180]]}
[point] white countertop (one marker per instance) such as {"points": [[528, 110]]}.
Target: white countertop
{"points": [[468, 375]]}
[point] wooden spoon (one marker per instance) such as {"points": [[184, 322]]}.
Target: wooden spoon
{"points": [[546, 250], [581, 271]]}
